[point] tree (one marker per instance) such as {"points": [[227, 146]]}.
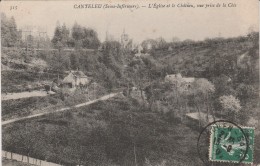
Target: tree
{"points": [[90, 39], [188, 42], [84, 37], [61, 37], [74, 60], [253, 35], [175, 40], [230, 105], [245, 92], [161, 43], [77, 32], [112, 57], [56, 40], [58, 62], [139, 75], [149, 44], [64, 35], [9, 33], [223, 85], [13, 30], [204, 88], [109, 79]]}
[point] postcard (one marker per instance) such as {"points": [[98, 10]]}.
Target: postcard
{"points": [[130, 83]]}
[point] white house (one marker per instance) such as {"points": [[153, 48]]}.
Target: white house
{"points": [[75, 78], [140, 49], [179, 81], [243, 60]]}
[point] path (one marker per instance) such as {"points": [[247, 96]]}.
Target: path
{"points": [[20, 95], [62, 109]]}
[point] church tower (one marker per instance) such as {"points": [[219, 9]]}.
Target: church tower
{"points": [[124, 39]]}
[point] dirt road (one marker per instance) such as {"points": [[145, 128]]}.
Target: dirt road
{"points": [[13, 96], [62, 109]]}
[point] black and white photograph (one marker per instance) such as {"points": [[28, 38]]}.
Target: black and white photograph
{"points": [[130, 83]]}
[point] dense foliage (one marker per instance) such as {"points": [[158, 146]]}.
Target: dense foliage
{"points": [[78, 37], [9, 33]]}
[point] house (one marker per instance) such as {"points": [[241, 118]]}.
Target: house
{"points": [[170, 48], [75, 79], [188, 82], [179, 81], [195, 119], [243, 61], [136, 93], [139, 49], [149, 46]]}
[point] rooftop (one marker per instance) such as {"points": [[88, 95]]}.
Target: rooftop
{"points": [[195, 115]]}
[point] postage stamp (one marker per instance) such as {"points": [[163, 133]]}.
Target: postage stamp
{"points": [[231, 144]]}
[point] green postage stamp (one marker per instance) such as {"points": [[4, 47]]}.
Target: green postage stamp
{"points": [[231, 144]]}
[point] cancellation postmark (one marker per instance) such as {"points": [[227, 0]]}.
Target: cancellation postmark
{"points": [[231, 144]]}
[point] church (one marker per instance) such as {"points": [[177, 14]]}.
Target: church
{"points": [[126, 42]]}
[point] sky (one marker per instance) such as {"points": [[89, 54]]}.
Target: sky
{"points": [[184, 23]]}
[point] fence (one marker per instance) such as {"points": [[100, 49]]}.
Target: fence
{"points": [[26, 159]]}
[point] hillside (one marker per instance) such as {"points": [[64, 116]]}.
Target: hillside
{"points": [[103, 134], [147, 129], [231, 65], [209, 59]]}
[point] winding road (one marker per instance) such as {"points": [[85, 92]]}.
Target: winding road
{"points": [[20, 95], [105, 97]]}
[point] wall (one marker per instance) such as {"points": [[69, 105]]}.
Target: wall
{"points": [[26, 159]]}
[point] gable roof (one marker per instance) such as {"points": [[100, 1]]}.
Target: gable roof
{"points": [[198, 116], [71, 77], [79, 74], [188, 79], [178, 77]]}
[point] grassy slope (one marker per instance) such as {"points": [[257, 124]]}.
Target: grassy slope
{"points": [[201, 57], [17, 81], [26, 106], [23, 70], [105, 132]]}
